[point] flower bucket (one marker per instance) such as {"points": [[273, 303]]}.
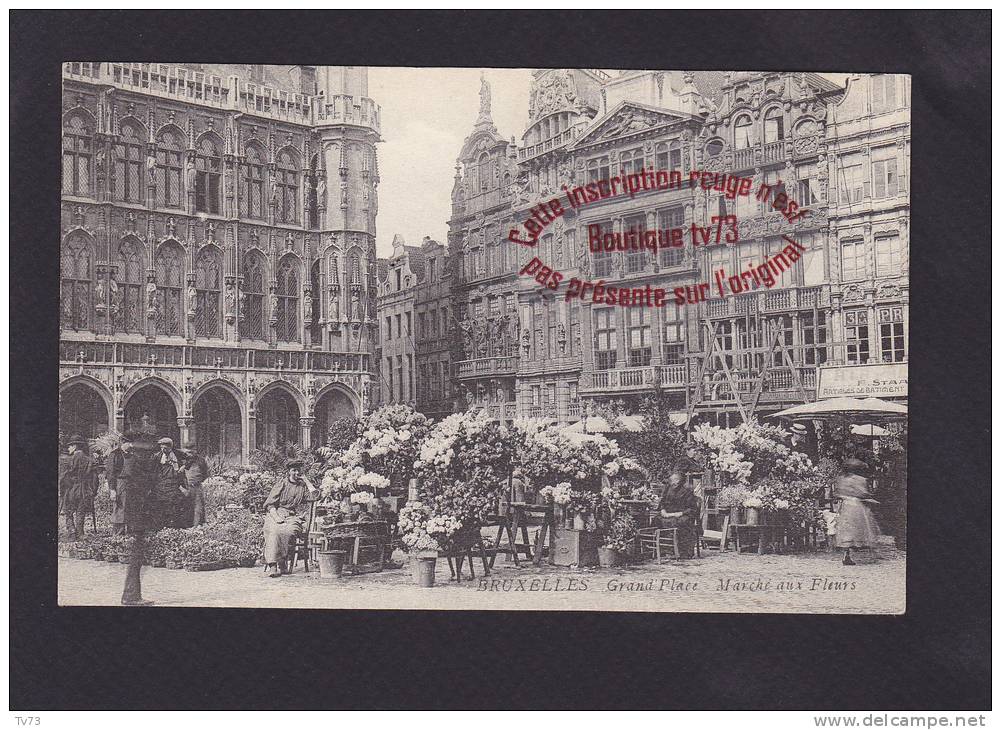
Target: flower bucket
{"points": [[751, 515], [609, 557], [424, 571], [579, 523], [332, 563]]}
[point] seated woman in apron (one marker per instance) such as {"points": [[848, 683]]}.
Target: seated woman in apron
{"points": [[287, 509], [679, 507]]}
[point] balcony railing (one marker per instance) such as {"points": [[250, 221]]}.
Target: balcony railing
{"points": [[225, 358], [770, 300], [561, 139], [743, 159], [230, 92], [774, 151], [487, 366], [668, 376]]}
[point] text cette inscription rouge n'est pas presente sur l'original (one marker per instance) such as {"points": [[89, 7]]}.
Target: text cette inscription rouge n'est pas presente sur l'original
{"points": [[723, 229]]}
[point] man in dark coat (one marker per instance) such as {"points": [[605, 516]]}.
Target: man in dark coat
{"points": [[169, 485], [113, 469], [143, 515], [77, 485], [196, 472]]}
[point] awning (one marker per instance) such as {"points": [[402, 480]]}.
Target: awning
{"points": [[874, 408]]}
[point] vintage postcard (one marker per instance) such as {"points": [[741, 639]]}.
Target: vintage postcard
{"points": [[463, 338]]}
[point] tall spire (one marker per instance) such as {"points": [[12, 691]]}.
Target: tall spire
{"points": [[484, 102]]}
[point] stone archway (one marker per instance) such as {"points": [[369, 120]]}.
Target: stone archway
{"points": [[82, 411], [277, 419], [152, 406], [331, 404], [218, 425]]}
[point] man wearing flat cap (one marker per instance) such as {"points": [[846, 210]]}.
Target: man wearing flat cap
{"points": [[77, 485], [169, 484]]}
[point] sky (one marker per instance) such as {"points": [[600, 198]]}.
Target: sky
{"points": [[427, 113]]}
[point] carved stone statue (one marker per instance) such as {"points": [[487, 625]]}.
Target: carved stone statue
{"points": [[230, 299], [99, 292], [113, 290], [189, 173], [334, 305], [192, 300], [150, 295]]}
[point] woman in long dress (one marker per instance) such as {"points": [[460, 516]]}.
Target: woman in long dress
{"points": [[287, 510], [856, 526]]}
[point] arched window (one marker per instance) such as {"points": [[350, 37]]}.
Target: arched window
{"points": [[129, 280], [252, 184], [333, 270], [77, 274], [287, 314], [669, 155], [208, 293], [742, 133], [773, 125], [631, 161], [127, 177], [168, 159], [287, 180], [169, 283], [208, 176], [485, 175], [78, 147], [252, 297]]}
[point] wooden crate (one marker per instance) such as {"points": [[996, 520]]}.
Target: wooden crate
{"points": [[575, 547]]}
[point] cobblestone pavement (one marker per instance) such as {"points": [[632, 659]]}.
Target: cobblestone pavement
{"points": [[727, 582]]}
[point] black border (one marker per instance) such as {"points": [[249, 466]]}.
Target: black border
{"points": [[934, 657]]}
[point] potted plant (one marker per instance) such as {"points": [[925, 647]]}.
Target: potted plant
{"points": [[618, 545], [422, 535], [752, 507], [732, 497]]}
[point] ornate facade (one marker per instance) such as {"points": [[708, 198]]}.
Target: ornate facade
{"points": [[523, 351], [218, 269]]}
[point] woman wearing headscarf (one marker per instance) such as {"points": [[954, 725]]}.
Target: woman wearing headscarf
{"points": [[680, 508], [287, 508], [855, 527]]}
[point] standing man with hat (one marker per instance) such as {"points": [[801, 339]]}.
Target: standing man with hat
{"points": [[142, 515], [800, 441], [169, 485], [77, 485], [196, 472]]}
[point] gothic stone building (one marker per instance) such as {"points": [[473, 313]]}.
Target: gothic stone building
{"points": [[218, 273]]}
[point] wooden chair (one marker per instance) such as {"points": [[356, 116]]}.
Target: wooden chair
{"points": [[656, 542], [718, 538]]}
